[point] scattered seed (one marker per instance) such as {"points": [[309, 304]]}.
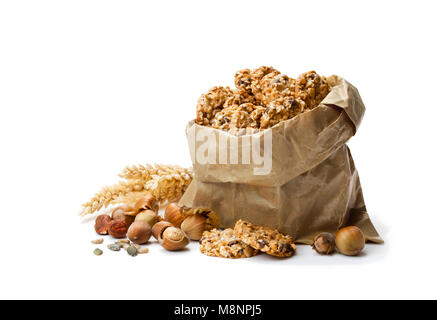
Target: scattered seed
{"points": [[143, 250], [98, 252], [140, 249], [132, 251], [114, 247], [97, 241], [123, 241], [125, 246]]}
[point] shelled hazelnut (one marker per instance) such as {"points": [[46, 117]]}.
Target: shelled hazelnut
{"points": [[102, 224], [159, 228], [118, 229]]}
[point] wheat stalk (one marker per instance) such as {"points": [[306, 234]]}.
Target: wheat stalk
{"points": [[170, 185], [138, 172], [165, 182]]}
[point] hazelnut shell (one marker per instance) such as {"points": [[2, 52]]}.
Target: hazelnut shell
{"points": [[147, 202], [139, 232], [174, 214], [173, 239], [119, 213], [194, 226], [324, 243], [148, 216], [350, 241], [127, 209]]}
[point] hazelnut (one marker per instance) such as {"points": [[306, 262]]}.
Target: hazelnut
{"points": [[139, 232], [174, 214], [350, 241], [118, 229], [128, 209], [148, 216], [324, 243], [173, 239], [193, 226], [159, 228], [147, 202], [119, 213], [102, 224]]}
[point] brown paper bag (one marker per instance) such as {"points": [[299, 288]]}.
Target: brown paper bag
{"points": [[307, 182]]}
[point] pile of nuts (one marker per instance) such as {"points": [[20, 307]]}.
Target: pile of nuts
{"points": [[133, 225], [140, 221]]}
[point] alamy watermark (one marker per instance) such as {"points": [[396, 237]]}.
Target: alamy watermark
{"points": [[211, 147]]}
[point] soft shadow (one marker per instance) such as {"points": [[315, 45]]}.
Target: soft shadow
{"points": [[306, 256]]}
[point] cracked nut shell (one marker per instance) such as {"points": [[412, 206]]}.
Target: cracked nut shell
{"points": [[173, 239], [148, 202], [324, 243], [159, 228]]}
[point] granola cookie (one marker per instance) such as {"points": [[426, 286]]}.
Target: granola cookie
{"points": [[259, 78], [238, 97], [312, 88], [281, 109], [275, 86], [242, 80], [211, 103], [265, 239], [237, 117], [224, 244]]}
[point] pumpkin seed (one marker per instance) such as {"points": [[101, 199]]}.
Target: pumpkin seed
{"points": [[98, 252], [114, 247], [132, 251], [140, 249]]}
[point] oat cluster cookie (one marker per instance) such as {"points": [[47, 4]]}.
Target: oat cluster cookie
{"points": [[225, 244], [246, 240], [265, 239], [262, 98]]}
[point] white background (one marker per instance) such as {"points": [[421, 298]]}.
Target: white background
{"points": [[87, 87]]}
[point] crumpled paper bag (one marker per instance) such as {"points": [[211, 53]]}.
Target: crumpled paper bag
{"points": [[311, 184]]}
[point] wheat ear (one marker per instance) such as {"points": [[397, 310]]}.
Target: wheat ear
{"points": [[107, 194], [165, 182]]}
